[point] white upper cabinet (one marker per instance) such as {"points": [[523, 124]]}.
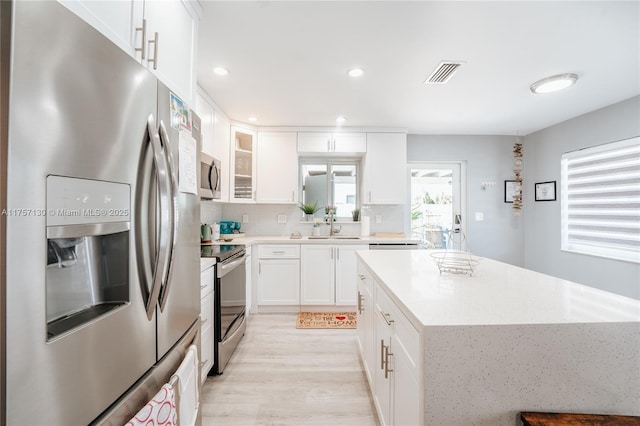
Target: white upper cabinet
{"points": [[117, 20], [207, 115], [242, 165], [132, 25], [385, 169], [216, 132], [172, 55], [318, 142], [277, 168]]}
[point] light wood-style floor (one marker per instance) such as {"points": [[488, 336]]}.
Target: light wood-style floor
{"points": [[280, 375]]}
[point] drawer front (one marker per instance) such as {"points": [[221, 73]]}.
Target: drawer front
{"points": [[206, 334], [403, 331], [279, 251], [206, 263], [364, 277], [206, 281]]}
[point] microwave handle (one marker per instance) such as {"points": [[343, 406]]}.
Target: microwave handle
{"points": [[212, 168]]}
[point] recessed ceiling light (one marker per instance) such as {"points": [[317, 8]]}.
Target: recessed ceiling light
{"points": [[341, 119], [220, 71], [253, 119], [355, 72], [554, 83]]}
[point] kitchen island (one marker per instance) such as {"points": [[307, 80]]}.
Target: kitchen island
{"points": [[453, 349]]}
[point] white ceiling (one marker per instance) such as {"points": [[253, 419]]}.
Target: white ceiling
{"points": [[288, 62]]}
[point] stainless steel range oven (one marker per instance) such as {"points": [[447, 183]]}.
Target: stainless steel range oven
{"points": [[230, 303]]}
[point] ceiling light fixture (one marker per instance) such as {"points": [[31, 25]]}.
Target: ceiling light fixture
{"points": [[220, 71], [355, 72], [341, 119], [554, 83], [253, 119]]}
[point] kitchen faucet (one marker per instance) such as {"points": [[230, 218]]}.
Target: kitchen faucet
{"points": [[333, 230]]}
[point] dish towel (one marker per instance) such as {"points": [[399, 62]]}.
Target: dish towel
{"points": [[187, 384], [160, 411]]}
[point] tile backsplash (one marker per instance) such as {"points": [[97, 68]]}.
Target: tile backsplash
{"points": [[263, 218]]}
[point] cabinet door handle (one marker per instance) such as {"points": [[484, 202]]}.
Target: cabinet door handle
{"points": [[277, 252], [387, 370], [362, 277], [382, 354], [387, 318], [337, 253], [143, 45], [155, 51], [360, 299], [203, 322], [202, 286], [369, 196]]}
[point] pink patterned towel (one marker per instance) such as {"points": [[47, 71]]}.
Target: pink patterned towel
{"points": [[161, 410]]}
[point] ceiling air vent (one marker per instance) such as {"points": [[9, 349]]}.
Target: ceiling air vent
{"points": [[443, 73]]}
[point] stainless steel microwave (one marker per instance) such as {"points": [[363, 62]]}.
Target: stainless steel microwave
{"points": [[209, 177]]}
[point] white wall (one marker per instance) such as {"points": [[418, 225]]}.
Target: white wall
{"points": [[542, 151], [500, 235]]}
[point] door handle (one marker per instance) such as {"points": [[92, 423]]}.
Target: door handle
{"points": [[212, 186], [382, 354], [387, 370], [173, 214], [360, 300], [155, 51], [143, 45], [159, 265]]}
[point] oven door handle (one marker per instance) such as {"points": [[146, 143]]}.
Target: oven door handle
{"points": [[225, 268]]}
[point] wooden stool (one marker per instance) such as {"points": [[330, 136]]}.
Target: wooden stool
{"points": [[567, 419]]}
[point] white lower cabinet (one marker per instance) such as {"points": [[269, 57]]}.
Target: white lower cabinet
{"points": [[392, 357], [327, 274], [365, 320], [317, 274], [346, 292], [278, 278], [207, 317]]}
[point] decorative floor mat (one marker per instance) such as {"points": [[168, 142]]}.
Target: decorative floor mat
{"points": [[326, 320]]}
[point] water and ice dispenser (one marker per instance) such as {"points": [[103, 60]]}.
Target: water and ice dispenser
{"points": [[87, 273]]}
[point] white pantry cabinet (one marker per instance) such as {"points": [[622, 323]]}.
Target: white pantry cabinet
{"points": [[277, 168], [132, 25], [278, 278], [385, 169], [323, 142]]}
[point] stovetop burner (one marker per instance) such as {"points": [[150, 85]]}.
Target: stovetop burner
{"points": [[221, 252]]}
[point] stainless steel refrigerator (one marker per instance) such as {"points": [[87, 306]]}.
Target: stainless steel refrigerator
{"points": [[99, 247]]}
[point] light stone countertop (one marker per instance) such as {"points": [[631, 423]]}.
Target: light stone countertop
{"points": [[254, 240], [496, 294]]}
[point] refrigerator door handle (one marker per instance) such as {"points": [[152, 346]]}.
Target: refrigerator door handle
{"points": [[159, 266], [173, 231]]}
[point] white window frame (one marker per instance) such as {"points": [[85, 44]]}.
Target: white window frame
{"points": [[608, 177]]}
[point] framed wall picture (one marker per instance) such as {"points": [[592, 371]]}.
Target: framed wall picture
{"points": [[546, 191], [509, 190]]}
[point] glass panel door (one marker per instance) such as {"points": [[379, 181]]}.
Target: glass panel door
{"points": [[436, 203]]}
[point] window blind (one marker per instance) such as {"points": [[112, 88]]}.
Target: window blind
{"points": [[600, 200]]}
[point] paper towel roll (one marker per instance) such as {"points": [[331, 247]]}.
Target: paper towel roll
{"points": [[364, 226]]}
